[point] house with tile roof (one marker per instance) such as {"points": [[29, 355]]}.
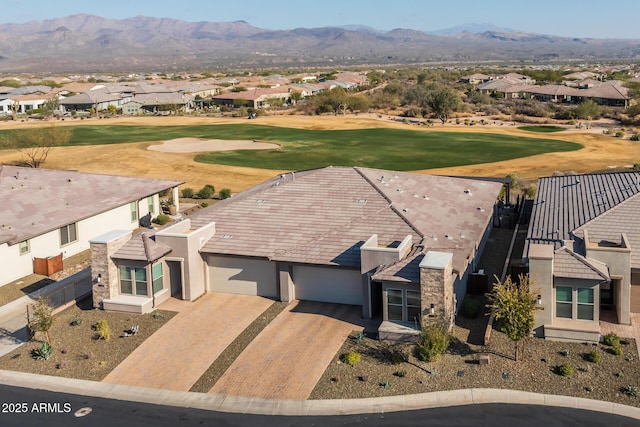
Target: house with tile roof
{"points": [[53, 214], [582, 253], [400, 245]]}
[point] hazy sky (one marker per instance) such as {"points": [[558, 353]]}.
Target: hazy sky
{"points": [[586, 18]]}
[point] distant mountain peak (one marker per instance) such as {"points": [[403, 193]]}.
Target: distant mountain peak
{"points": [[473, 28]]}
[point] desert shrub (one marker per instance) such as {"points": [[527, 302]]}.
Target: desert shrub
{"points": [[162, 219], [566, 370], [619, 134], [617, 350], [531, 191], [400, 374], [225, 193], [635, 137], [630, 390], [43, 352], [594, 356], [352, 358], [103, 331], [471, 308], [433, 341], [76, 322], [611, 339], [187, 193], [41, 317], [397, 357], [206, 192], [204, 204]]}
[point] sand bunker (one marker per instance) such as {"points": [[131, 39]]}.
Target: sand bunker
{"points": [[195, 145]]}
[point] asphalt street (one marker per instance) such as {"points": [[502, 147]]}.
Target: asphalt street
{"points": [[27, 407]]}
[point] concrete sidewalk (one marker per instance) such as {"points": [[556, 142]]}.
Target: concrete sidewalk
{"points": [[249, 405], [13, 316]]}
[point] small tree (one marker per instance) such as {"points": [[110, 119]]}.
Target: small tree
{"points": [[442, 102], [187, 193], [433, 341], [36, 143], [514, 306], [50, 106], [225, 193], [41, 317], [206, 192]]}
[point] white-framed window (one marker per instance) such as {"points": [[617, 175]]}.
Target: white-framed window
{"points": [[575, 303], [68, 234], [24, 247], [150, 204], [403, 305], [133, 280], [133, 206], [156, 276]]}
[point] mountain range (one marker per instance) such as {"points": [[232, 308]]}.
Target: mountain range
{"points": [[89, 43]]}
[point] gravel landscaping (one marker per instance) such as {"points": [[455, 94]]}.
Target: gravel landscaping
{"points": [[537, 371], [76, 351]]}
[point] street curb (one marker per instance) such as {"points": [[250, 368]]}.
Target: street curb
{"points": [[258, 406]]}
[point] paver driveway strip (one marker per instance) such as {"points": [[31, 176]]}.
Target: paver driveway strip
{"points": [[286, 360], [177, 354]]}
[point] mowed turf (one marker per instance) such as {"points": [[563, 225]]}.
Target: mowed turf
{"points": [[394, 149]]}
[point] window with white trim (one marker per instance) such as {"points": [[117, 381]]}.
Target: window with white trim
{"points": [[68, 234], [133, 206], [403, 305], [133, 280], [150, 204], [24, 247], [575, 303], [156, 275]]}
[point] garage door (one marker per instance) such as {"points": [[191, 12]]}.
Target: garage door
{"points": [[327, 285], [243, 276]]}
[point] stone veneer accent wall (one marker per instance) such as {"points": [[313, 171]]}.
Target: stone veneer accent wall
{"points": [[101, 263], [436, 287]]}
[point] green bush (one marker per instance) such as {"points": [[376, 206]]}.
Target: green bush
{"points": [[617, 350], [611, 339], [206, 192], [619, 134], [433, 341], [162, 219], [400, 374], [635, 137], [594, 356], [471, 308], [76, 322], [225, 193], [630, 390], [566, 370], [352, 358], [397, 357], [103, 331], [187, 193]]}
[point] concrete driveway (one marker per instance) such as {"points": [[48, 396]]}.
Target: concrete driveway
{"points": [[286, 360], [181, 351]]}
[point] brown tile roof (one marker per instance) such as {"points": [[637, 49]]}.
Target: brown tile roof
{"points": [[569, 264], [323, 216], [37, 201], [142, 247]]}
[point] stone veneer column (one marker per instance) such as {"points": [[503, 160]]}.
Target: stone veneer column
{"points": [[436, 287], [102, 248]]}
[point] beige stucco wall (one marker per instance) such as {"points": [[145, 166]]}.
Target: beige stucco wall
{"points": [[541, 278]]}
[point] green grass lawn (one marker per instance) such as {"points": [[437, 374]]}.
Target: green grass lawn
{"points": [[395, 149], [543, 129]]}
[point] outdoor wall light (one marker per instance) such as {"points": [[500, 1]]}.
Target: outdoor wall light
{"points": [[432, 310], [539, 301], [99, 278]]}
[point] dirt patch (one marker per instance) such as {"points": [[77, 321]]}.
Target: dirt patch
{"points": [[195, 145]]}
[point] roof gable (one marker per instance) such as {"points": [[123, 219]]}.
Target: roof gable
{"points": [[569, 264]]}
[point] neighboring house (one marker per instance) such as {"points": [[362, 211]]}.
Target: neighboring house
{"points": [[475, 79], [158, 102], [54, 213], [400, 245], [583, 253], [99, 99], [252, 98]]}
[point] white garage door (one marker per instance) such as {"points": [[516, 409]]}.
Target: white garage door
{"points": [[243, 276], [327, 284]]}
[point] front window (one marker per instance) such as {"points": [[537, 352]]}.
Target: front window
{"points": [[68, 234], [134, 211], [564, 302], [133, 280], [150, 204], [585, 304], [403, 306], [24, 247]]}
